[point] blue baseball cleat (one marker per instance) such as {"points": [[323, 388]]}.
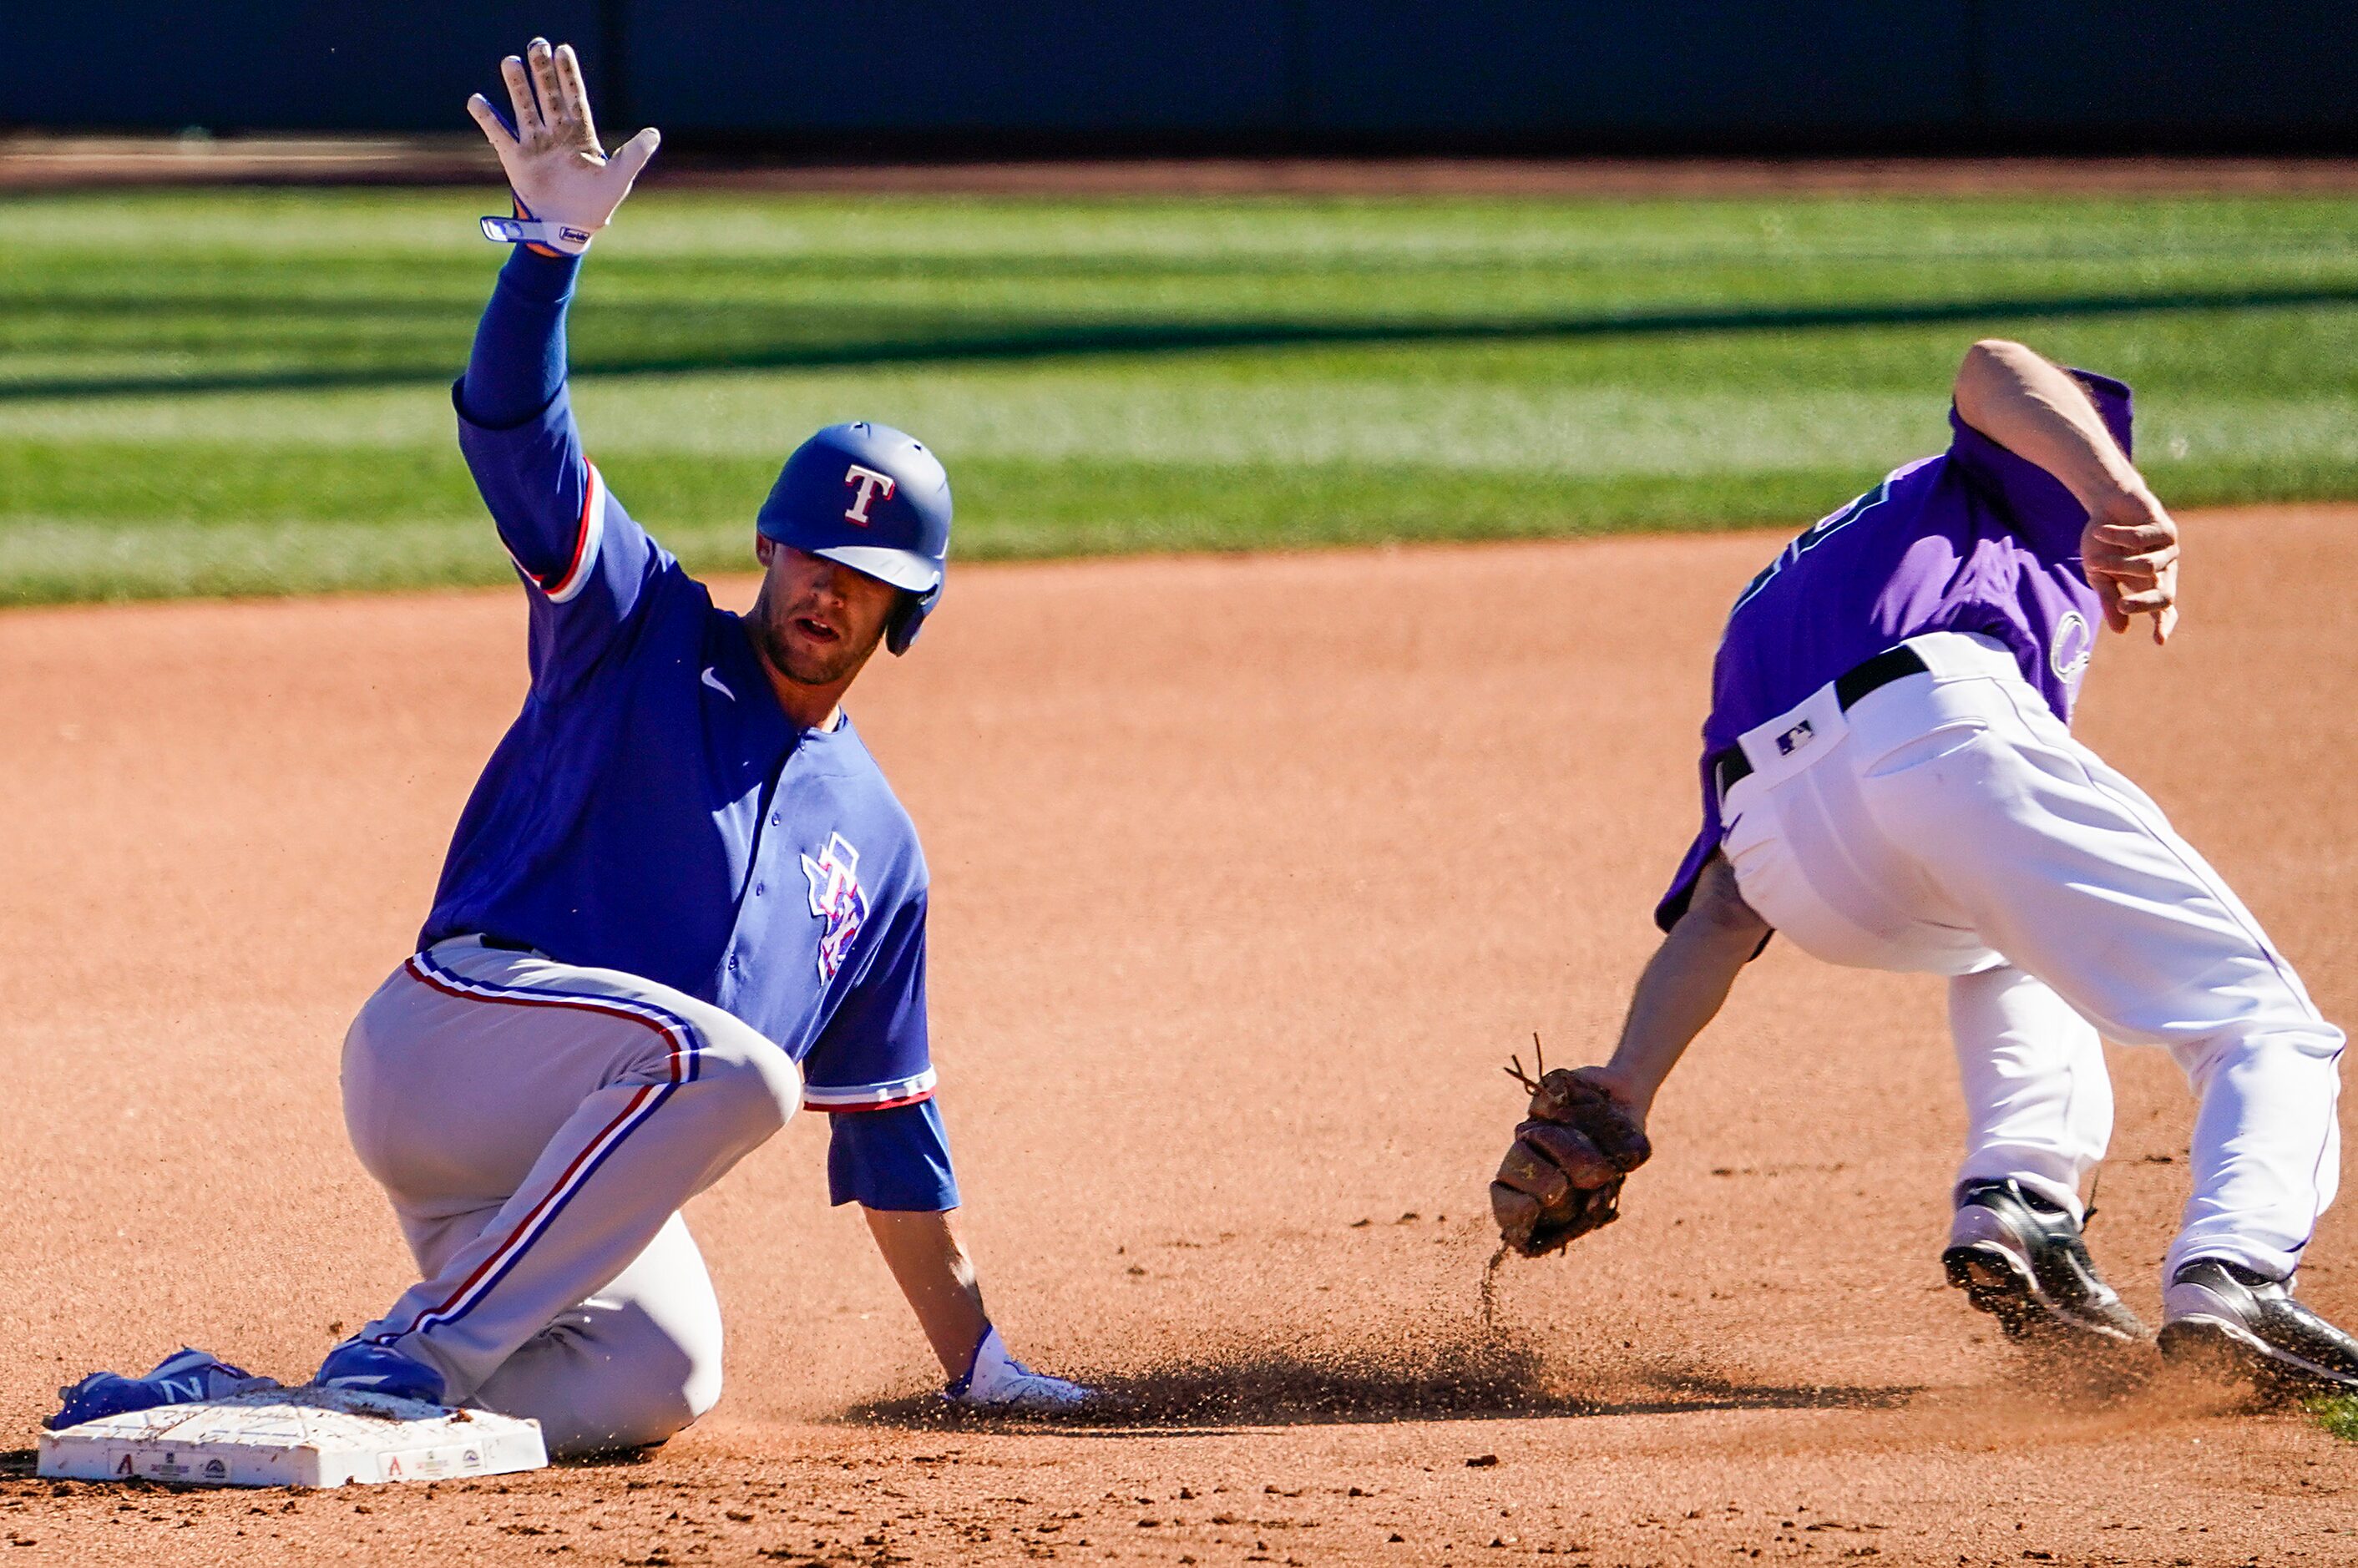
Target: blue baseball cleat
{"points": [[373, 1369], [183, 1378]]}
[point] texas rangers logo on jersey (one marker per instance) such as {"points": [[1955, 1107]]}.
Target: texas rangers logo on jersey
{"points": [[873, 486], [836, 900]]}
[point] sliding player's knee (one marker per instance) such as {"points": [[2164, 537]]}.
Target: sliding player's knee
{"points": [[651, 1401], [758, 1085], [669, 1398], [612, 1375]]}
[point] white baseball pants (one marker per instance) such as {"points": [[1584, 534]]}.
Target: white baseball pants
{"points": [[1949, 823], [538, 1126]]}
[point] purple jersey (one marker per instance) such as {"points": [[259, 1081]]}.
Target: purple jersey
{"points": [[1974, 540]]}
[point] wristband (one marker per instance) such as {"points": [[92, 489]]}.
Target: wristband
{"points": [[536, 234], [533, 232]]}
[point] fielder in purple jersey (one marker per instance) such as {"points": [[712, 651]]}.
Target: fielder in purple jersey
{"points": [[1889, 779], [1978, 541], [681, 904]]}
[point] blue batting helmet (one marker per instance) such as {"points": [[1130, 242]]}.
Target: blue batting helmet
{"points": [[875, 500]]}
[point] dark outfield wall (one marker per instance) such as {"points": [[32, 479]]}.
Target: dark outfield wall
{"points": [[1084, 76]]}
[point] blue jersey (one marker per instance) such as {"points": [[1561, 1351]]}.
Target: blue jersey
{"points": [[653, 809], [1978, 540]]}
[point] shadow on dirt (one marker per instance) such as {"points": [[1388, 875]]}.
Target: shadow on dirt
{"points": [[1450, 1380]]}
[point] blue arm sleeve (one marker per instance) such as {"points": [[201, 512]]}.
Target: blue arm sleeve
{"points": [[897, 1159], [518, 363], [590, 565]]}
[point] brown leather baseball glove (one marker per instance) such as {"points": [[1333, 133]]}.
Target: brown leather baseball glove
{"points": [[1561, 1178]]}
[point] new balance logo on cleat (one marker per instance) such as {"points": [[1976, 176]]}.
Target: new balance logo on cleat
{"points": [[367, 1369]]}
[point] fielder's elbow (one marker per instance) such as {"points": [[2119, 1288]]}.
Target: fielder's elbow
{"points": [[1987, 351], [1991, 363], [1718, 910]]}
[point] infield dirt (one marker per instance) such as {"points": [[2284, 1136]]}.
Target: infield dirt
{"points": [[1249, 875]]}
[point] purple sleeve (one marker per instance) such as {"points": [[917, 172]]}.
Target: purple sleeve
{"points": [[1673, 903], [2032, 500], [874, 1054], [590, 568], [897, 1159]]}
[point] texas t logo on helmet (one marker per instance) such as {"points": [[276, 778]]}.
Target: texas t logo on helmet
{"points": [[871, 484], [896, 528]]}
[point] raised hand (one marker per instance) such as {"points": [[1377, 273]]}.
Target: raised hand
{"points": [[560, 175]]}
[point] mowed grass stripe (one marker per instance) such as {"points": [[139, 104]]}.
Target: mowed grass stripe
{"points": [[241, 391]]}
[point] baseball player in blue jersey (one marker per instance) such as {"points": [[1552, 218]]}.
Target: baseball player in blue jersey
{"points": [[681, 903], [1889, 779]]}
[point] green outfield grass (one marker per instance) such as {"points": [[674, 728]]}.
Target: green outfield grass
{"points": [[244, 391]]}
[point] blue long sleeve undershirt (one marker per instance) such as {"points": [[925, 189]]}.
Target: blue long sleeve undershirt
{"points": [[517, 364]]}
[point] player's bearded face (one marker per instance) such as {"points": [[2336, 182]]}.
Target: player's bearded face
{"points": [[818, 621]]}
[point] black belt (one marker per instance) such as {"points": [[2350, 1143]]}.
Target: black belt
{"points": [[505, 944], [1731, 766]]}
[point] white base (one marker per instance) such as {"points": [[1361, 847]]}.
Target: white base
{"points": [[294, 1437]]}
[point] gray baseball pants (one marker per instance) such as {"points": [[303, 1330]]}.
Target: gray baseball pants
{"points": [[538, 1126]]}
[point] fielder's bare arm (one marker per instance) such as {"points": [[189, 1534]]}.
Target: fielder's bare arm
{"points": [[1890, 780], [681, 904]]}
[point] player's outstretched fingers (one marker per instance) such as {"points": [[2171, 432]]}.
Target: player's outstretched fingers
{"points": [[632, 156], [554, 110], [528, 124], [572, 93], [495, 130]]}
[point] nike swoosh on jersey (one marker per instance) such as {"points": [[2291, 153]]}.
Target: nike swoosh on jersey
{"points": [[714, 682]]}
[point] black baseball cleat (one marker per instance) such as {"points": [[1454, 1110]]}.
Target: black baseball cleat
{"points": [[2019, 1259], [2228, 1319]]}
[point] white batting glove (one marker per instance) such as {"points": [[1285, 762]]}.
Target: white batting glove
{"points": [[999, 1383], [566, 187]]}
